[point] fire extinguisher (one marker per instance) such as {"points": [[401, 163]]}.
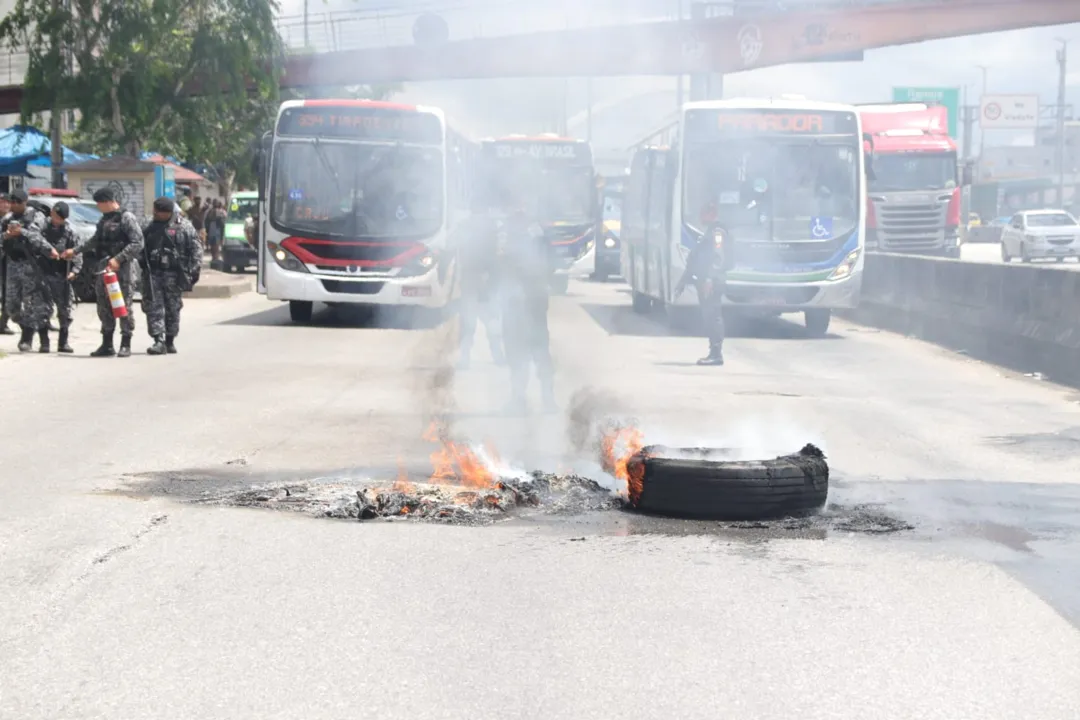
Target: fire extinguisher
{"points": [[116, 296]]}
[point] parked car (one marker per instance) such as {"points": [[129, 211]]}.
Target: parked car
{"points": [[83, 219], [1041, 234]]}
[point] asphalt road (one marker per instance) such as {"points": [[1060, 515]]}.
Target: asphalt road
{"points": [[139, 606]]}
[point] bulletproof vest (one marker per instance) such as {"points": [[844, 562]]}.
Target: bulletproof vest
{"points": [[523, 250], [62, 239], [113, 238], [162, 252], [18, 248]]}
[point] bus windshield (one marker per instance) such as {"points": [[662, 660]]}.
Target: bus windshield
{"points": [[774, 189], [363, 190], [563, 193], [913, 171]]}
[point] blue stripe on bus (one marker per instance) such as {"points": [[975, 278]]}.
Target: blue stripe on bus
{"points": [[689, 240]]}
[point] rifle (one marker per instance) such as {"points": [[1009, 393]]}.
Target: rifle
{"points": [[149, 284]]}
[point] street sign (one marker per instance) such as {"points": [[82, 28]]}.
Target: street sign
{"points": [[949, 97], [1009, 112]]}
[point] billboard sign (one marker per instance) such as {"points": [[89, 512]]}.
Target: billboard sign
{"points": [[1009, 112], [948, 97]]}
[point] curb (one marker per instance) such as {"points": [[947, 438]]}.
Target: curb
{"points": [[218, 291]]}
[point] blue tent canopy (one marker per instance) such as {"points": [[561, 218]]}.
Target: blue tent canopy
{"points": [[21, 145]]}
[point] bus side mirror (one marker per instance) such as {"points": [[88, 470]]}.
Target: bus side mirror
{"points": [[262, 163], [868, 156]]}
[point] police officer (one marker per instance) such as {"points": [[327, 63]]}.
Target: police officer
{"points": [[706, 267], [23, 243], [477, 246], [6, 303], [59, 274], [170, 263], [523, 272], [117, 241]]}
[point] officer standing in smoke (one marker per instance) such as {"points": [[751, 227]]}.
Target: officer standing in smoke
{"points": [[522, 278], [22, 243], [59, 274], [170, 263], [706, 267], [477, 253], [6, 303], [118, 241]]}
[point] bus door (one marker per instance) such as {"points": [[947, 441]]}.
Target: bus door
{"points": [[262, 208], [658, 245], [635, 221]]}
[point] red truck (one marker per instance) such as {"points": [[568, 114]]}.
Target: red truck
{"points": [[914, 191]]}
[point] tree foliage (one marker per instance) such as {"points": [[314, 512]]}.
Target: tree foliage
{"points": [[148, 72]]}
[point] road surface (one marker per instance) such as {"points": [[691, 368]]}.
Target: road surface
{"points": [[135, 605]]}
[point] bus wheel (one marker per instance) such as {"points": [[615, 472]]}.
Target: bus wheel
{"points": [[300, 311], [642, 303], [817, 322]]}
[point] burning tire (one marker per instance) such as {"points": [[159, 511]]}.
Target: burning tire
{"points": [[700, 484]]}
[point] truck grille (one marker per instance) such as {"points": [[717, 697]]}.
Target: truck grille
{"points": [[910, 227]]}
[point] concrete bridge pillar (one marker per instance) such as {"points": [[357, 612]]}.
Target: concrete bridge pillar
{"points": [[708, 86]]}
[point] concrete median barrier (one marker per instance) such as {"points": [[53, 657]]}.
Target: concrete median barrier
{"points": [[215, 284], [1021, 317]]}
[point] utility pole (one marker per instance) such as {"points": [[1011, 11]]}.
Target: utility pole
{"points": [[982, 130], [56, 128], [1062, 67], [967, 117], [679, 78], [306, 44]]}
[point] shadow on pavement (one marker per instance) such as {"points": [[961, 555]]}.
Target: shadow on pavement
{"points": [[369, 318], [622, 320]]}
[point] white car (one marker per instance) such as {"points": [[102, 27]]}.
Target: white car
{"points": [[1035, 234]]}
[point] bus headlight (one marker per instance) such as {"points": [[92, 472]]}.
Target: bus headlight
{"points": [[285, 259], [845, 268], [420, 266]]}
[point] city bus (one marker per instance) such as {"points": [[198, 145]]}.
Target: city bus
{"points": [[784, 179], [357, 201], [556, 176]]}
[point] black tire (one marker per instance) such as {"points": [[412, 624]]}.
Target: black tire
{"points": [[695, 485], [642, 303], [817, 322], [300, 311], [1024, 254]]}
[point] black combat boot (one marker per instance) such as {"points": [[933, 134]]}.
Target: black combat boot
{"points": [[715, 356], [106, 349], [158, 348], [170, 344], [62, 342], [26, 341], [125, 346], [43, 337]]}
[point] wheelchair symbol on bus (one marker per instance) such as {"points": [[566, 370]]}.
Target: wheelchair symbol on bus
{"points": [[821, 228]]}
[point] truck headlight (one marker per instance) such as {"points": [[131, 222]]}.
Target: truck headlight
{"points": [[609, 242], [1031, 238], [845, 268], [285, 259]]}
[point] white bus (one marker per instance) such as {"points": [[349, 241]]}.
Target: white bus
{"points": [[357, 202], [785, 180]]}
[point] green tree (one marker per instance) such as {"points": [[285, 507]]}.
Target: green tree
{"points": [[136, 68]]}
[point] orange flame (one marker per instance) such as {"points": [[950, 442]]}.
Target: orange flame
{"points": [[456, 464], [402, 483], [617, 447]]}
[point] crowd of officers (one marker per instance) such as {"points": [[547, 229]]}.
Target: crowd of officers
{"points": [[40, 258]]}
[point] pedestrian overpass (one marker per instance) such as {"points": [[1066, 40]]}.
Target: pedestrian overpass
{"points": [[689, 47]]}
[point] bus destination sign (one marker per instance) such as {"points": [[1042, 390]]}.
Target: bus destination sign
{"points": [[542, 150], [360, 123], [709, 123]]}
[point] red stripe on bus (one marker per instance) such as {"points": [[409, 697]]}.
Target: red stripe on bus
{"points": [[410, 251]]}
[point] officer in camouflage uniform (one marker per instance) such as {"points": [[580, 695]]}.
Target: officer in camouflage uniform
{"points": [[170, 265], [524, 264], [60, 273], [7, 305], [23, 243], [118, 242]]}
